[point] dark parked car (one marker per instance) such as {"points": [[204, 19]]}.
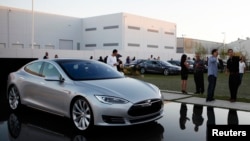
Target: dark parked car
{"points": [[191, 66], [133, 67], [178, 63], [134, 63], [158, 66], [175, 62]]}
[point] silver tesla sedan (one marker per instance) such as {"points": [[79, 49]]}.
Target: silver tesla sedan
{"points": [[89, 92]]}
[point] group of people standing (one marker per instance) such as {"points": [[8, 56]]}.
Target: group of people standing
{"points": [[235, 69], [114, 61], [199, 67], [46, 55]]}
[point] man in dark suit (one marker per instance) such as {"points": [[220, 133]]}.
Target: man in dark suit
{"points": [[234, 76]]}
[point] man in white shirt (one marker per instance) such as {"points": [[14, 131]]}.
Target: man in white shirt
{"points": [[242, 68], [112, 60]]}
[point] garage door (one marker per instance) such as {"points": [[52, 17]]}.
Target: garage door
{"points": [[66, 44]]}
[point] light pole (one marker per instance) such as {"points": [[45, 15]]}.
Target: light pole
{"points": [[183, 42], [224, 40], [32, 26]]}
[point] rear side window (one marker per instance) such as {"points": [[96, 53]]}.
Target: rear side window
{"points": [[34, 68]]}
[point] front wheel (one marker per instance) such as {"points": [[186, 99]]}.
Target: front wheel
{"points": [[142, 70], [81, 114], [14, 98]]}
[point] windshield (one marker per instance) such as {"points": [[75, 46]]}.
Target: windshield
{"points": [[166, 63], [88, 70]]}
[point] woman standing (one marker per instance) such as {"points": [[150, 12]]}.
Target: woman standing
{"points": [[184, 73]]}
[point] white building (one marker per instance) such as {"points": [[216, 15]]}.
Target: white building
{"points": [[242, 46], [96, 36]]}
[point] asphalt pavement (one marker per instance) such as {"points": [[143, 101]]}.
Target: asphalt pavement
{"points": [[192, 99]]}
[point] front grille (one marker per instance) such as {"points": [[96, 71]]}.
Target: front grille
{"points": [[146, 107], [145, 118]]}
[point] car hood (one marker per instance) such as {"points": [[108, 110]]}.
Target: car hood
{"points": [[128, 88], [177, 67]]}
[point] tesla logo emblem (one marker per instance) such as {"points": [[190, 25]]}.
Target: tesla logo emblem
{"points": [[147, 103]]}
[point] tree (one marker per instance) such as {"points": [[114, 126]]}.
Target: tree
{"points": [[200, 49], [223, 52]]}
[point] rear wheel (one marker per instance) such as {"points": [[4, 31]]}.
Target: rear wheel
{"points": [[81, 114], [166, 72], [14, 98]]}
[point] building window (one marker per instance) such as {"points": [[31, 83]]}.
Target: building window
{"points": [[168, 47], [111, 27], [133, 45], [90, 29], [2, 45], [49, 46], [90, 45], [18, 45], [110, 44], [179, 50], [153, 30], [170, 33], [134, 27], [152, 46], [36, 46]]}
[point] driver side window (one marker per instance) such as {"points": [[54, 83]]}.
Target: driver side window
{"points": [[50, 70]]}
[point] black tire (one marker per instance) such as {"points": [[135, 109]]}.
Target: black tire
{"points": [[142, 71], [14, 98], [166, 72], [81, 115]]}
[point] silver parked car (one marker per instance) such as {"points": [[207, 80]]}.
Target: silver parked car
{"points": [[89, 92]]}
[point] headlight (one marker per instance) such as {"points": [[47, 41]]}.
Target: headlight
{"points": [[131, 66], [110, 99]]}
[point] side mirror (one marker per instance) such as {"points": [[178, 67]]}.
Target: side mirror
{"points": [[54, 78]]}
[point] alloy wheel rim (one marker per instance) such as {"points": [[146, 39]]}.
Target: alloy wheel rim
{"points": [[142, 70], [166, 72], [13, 98], [81, 114]]}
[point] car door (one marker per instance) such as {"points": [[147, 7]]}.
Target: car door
{"points": [[150, 65], [52, 94], [30, 81], [158, 67]]}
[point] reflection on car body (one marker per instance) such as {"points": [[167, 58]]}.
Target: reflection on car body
{"points": [[87, 91], [158, 66]]}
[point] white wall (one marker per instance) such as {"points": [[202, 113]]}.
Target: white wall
{"points": [[15, 35], [16, 27], [145, 36], [102, 36]]}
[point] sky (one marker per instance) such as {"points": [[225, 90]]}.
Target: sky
{"points": [[211, 20]]}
